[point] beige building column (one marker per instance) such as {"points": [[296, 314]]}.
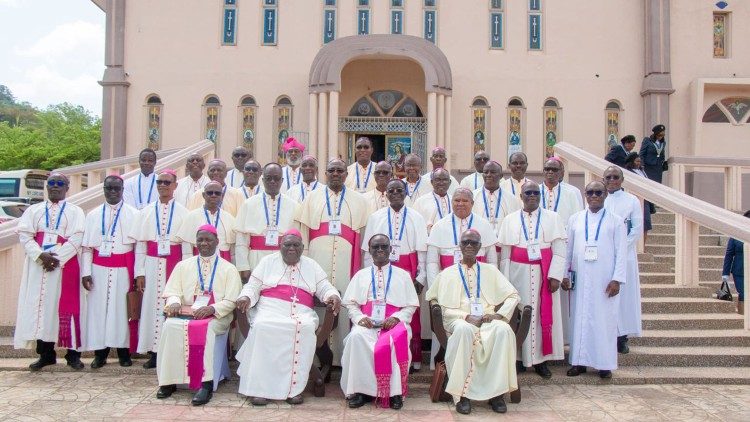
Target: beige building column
{"points": [[447, 123], [322, 132], [312, 139], [657, 84], [333, 124], [114, 83], [431, 122], [441, 120]]}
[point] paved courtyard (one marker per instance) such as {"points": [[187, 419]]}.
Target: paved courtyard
{"points": [[87, 397]]}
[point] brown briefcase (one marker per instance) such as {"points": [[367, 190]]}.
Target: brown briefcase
{"points": [[134, 305], [439, 380]]}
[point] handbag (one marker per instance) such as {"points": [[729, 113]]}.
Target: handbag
{"points": [[134, 305], [724, 293], [665, 166], [439, 381]]}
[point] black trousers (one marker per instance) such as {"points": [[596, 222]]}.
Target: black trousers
{"points": [[123, 353], [46, 351]]}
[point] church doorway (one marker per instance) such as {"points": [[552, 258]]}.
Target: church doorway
{"points": [[378, 145]]}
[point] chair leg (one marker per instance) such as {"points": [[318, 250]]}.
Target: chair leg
{"points": [[515, 396]]}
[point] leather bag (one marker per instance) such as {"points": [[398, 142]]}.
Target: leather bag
{"points": [[724, 293], [439, 381]]}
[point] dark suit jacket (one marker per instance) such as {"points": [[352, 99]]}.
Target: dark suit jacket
{"points": [[651, 160], [617, 155], [733, 259]]}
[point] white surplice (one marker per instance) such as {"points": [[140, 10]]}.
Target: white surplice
{"points": [[275, 359], [291, 177], [473, 181], [416, 190], [575, 192], [527, 279], [433, 207], [366, 177], [376, 200], [248, 192], [628, 206], [235, 178], [187, 187], [357, 362], [427, 179], [494, 206], [514, 187], [301, 190], [231, 203], [593, 315], [188, 231], [140, 191]]}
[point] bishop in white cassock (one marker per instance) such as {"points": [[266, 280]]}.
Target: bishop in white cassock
{"points": [[157, 251], [517, 164], [491, 201], [438, 160], [108, 274], [200, 297], [209, 213], [533, 259], [331, 220], [597, 258], [627, 206], [276, 358], [140, 191], [436, 205], [309, 183], [293, 150], [475, 180], [232, 199], [381, 301], [51, 306], [360, 172], [235, 177], [251, 185], [477, 303], [377, 197], [416, 186], [193, 182]]}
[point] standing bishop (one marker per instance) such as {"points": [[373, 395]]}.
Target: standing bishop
{"points": [[377, 198], [416, 186], [517, 164], [193, 182], [475, 180], [251, 176], [438, 159], [293, 150], [233, 198], [309, 183], [209, 213], [359, 176], [491, 201], [240, 157], [437, 205], [139, 191]]}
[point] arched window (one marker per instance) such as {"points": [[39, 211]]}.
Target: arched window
{"points": [[282, 123], [612, 112], [516, 125], [552, 126], [734, 110], [480, 121], [247, 114], [154, 109], [211, 110], [387, 103]]}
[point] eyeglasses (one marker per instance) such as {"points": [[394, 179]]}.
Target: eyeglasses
{"points": [[382, 172], [239, 155], [272, 178], [213, 192], [551, 169], [362, 147], [334, 171], [164, 182], [482, 159], [252, 169], [596, 193], [531, 192], [612, 177], [396, 190], [113, 188], [470, 243], [58, 183], [380, 247], [195, 160]]}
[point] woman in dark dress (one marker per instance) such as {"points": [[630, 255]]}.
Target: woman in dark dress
{"points": [[633, 163]]}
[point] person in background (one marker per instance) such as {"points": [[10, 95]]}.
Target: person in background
{"points": [[475, 180], [733, 264], [618, 153], [235, 177], [633, 163], [653, 153]]}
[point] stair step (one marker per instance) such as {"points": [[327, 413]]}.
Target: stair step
{"points": [[661, 229], [711, 321], [692, 338], [656, 267], [687, 356], [712, 251], [661, 239], [686, 305], [709, 274], [664, 259], [645, 257], [706, 250], [671, 290], [657, 277], [659, 249], [662, 218], [710, 261]]}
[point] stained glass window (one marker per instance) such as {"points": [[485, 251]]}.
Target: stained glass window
{"points": [[329, 21], [720, 35], [397, 17], [480, 115], [270, 23], [429, 23], [551, 126], [248, 110], [283, 113], [211, 109], [515, 126], [154, 109], [612, 113], [229, 27]]}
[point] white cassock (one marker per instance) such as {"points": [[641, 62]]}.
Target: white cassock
{"points": [[528, 279], [291, 177], [575, 191], [427, 179], [184, 288], [338, 255], [360, 179], [301, 190], [109, 258], [187, 187], [233, 199], [259, 226], [628, 206], [235, 178], [494, 206], [417, 189], [140, 191], [358, 361], [514, 187], [473, 181], [433, 207], [154, 267], [221, 220], [248, 192], [480, 361], [42, 315], [593, 315], [276, 358]]}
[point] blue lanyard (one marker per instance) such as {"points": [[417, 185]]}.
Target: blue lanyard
{"points": [[497, 206], [244, 190], [278, 209], [158, 219], [523, 226], [200, 274], [302, 189], [59, 217], [289, 178], [231, 181], [466, 286], [453, 221], [367, 178], [114, 225], [208, 218], [557, 200], [416, 188], [598, 227], [150, 189], [437, 204], [475, 181], [403, 224], [387, 285], [328, 202]]}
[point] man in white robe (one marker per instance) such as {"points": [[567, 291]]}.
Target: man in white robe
{"points": [[533, 259], [597, 259], [209, 213], [200, 298], [475, 180], [359, 173], [51, 304], [309, 183], [139, 191], [567, 186], [381, 301], [331, 221], [491, 201], [627, 206], [435, 206], [157, 251], [292, 171], [438, 158], [235, 177], [477, 303], [251, 175], [276, 358], [377, 197], [108, 274], [517, 164], [233, 198], [415, 185], [193, 182]]}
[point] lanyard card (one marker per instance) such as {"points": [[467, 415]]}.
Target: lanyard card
{"points": [[477, 309], [378, 312], [105, 250], [334, 227], [457, 256], [272, 236], [201, 300], [591, 253], [395, 251], [164, 247], [50, 239], [534, 250]]}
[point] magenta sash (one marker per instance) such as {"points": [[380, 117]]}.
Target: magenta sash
{"points": [[175, 254], [350, 236], [122, 260], [197, 329], [227, 255], [383, 365], [286, 292], [409, 264], [447, 260], [258, 243], [520, 255], [69, 305]]}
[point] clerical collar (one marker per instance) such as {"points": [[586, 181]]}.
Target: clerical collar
{"points": [[147, 175], [166, 203], [115, 206], [491, 191], [550, 188], [383, 268], [595, 212], [210, 258], [198, 179], [58, 203], [531, 212], [212, 212], [469, 266]]}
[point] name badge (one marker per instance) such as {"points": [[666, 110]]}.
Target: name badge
{"points": [[591, 253], [534, 251], [378, 312], [105, 250], [200, 301], [457, 256], [272, 236], [477, 309], [334, 227], [49, 240], [164, 247], [361, 190], [395, 251]]}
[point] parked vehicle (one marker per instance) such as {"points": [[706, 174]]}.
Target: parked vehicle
{"points": [[23, 185], [9, 211]]}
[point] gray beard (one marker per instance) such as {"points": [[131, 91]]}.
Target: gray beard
{"points": [[294, 163]]}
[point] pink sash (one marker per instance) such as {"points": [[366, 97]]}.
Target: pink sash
{"points": [[383, 365], [197, 330], [175, 254], [122, 260], [447, 260], [521, 256], [286, 292], [409, 264], [350, 236], [227, 255], [258, 243], [69, 305]]}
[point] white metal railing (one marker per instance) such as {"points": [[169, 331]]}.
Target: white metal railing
{"points": [[732, 169], [690, 214]]}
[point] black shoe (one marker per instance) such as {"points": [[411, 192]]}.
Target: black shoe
{"points": [[41, 363], [151, 362], [298, 399], [497, 404], [463, 406], [358, 400], [519, 367], [542, 370], [203, 395], [622, 345], [258, 401], [396, 402], [76, 364], [576, 370], [605, 374], [98, 362], [126, 363], [123, 355], [166, 391]]}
